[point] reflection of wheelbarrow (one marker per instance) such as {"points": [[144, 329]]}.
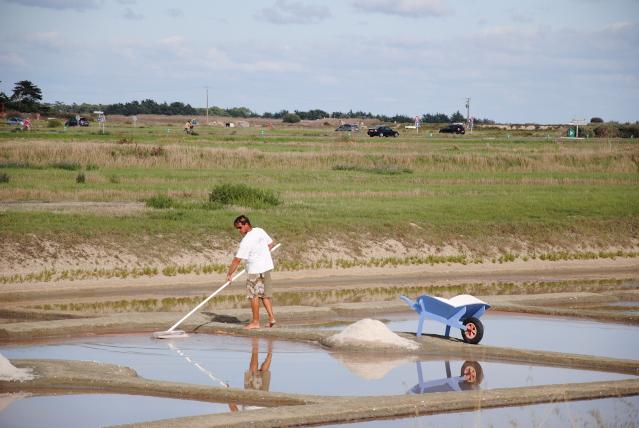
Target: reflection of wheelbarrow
{"points": [[461, 312], [470, 376]]}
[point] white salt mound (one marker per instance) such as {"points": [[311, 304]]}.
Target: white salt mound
{"points": [[9, 372], [371, 333]]}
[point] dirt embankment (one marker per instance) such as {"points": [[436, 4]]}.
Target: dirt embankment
{"points": [[34, 255]]}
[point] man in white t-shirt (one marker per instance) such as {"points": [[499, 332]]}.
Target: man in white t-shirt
{"points": [[255, 250]]}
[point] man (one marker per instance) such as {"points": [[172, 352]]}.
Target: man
{"points": [[255, 250]]}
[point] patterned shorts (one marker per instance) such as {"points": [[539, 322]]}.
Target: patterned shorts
{"points": [[257, 285]]}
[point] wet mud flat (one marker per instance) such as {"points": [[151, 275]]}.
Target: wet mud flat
{"points": [[400, 392]]}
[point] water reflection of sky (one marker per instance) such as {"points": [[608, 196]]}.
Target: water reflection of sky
{"points": [[541, 333], [294, 367], [608, 412], [95, 410]]}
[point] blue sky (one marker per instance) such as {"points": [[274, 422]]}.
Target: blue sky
{"points": [[521, 61]]}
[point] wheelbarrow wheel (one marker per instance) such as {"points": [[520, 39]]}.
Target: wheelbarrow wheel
{"points": [[473, 332], [473, 375]]}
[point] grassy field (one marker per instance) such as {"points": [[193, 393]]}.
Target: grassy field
{"points": [[492, 195]]}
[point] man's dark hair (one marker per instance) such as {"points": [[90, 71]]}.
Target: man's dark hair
{"points": [[242, 220]]}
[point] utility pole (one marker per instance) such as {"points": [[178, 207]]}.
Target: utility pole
{"points": [[468, 110], [207, 104], [468, 122]]}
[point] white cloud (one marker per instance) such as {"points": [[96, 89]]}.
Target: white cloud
{"points": [[131, 15], [79, 5], [293, 12], [47, 39], [218, 59], [408, 8], [177, 45], [175, 13], [11, 59]]}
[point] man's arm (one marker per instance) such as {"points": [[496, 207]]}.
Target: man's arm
{"points": [[232, 267]]}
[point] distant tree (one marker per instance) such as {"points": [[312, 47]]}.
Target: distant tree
{"points": [[240, 112], [457, 117], [26, 97], [4, 101], [291, 118], [596, 120], [402, 118], [435, 118]]}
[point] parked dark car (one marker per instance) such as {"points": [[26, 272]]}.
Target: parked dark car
{"points": [[382, 131], [15, 121], [454, 128], [348, 127], [74, 122]]}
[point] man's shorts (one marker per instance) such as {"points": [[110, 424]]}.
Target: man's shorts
{"points": [[258, 285]]}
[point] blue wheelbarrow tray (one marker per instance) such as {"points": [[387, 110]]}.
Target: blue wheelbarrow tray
{"points": [[454, 312]]}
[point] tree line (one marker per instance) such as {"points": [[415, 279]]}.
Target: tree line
{"points": [[27, 98]]}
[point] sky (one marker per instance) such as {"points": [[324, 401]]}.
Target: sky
{"points": [[524, 61]]}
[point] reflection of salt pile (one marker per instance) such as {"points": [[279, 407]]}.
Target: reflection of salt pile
{"points": [[372, 334], [9, 372], [371, 367], [8, 399]]}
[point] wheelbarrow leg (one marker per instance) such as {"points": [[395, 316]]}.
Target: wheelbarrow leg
{"points": [[420, 323]]}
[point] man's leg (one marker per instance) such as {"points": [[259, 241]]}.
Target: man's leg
{"points": [[269, 310], [255, 310]]}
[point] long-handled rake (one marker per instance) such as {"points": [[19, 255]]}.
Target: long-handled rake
{"points": [[172, 333]]}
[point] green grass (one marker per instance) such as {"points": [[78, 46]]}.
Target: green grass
{"points": [[302, 184]]}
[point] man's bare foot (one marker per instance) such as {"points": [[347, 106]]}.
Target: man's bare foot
{"points": [[271, 323], [252, 325]]}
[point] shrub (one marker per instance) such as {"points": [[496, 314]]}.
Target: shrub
{"points": [[4, 177], [605, 131], [80, 178], [157, 151], [240, 194], [160, 202], [68, 166], [291, 118], [596, 120], [629, 131], [54, 123]]}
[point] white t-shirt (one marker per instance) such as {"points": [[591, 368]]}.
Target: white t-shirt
{"points": [[254, 249]]}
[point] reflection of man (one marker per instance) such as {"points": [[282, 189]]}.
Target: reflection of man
{"points": [[259, 378]]}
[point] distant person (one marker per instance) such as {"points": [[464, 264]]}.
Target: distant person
{"points": [[188, 127], [255, 250], [26, 125], [259, 378]]}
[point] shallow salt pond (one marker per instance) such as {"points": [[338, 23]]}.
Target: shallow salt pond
{"points": [[95, 410], [608, 412], [541, 333], [294, 367]]}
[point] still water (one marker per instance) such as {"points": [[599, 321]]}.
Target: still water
{"points": [[94, 410], [292, 367]]}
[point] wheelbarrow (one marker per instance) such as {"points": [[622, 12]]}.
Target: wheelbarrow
{"points": [[462, 312]]}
